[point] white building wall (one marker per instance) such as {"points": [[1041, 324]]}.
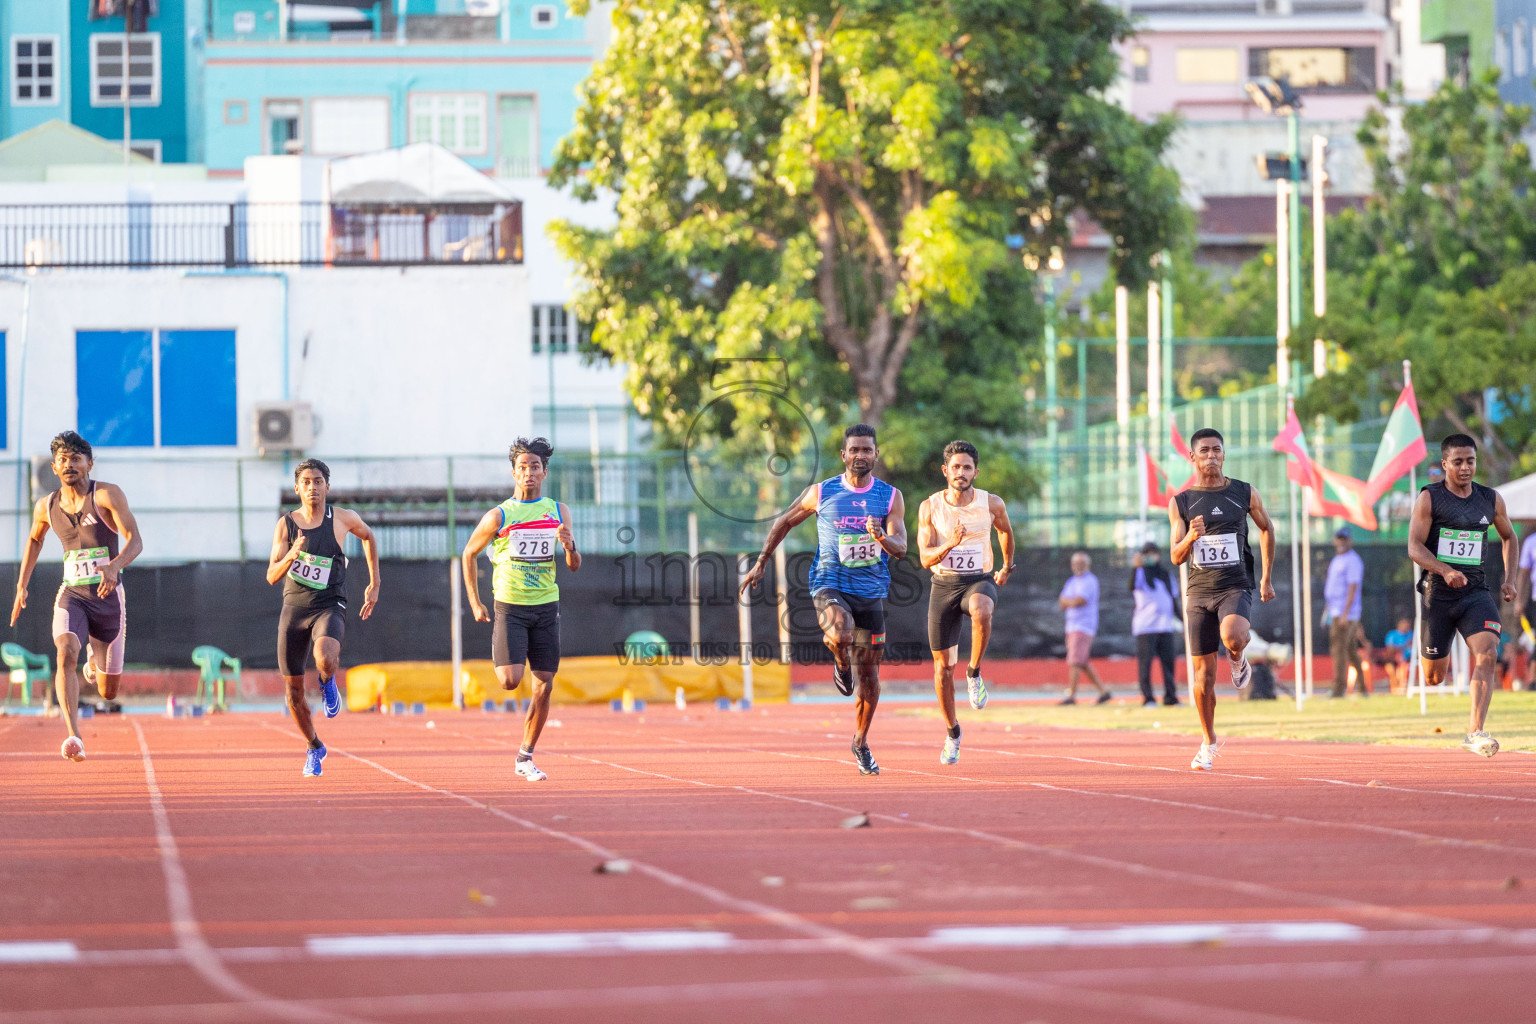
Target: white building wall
{"points": [[404, 368]]}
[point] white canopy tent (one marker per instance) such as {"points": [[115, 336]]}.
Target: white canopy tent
{"points": [[1520, 497], [421, 173]]}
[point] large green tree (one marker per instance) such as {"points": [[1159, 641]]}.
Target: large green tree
{"points": [[831, 184], [1437, 268]]}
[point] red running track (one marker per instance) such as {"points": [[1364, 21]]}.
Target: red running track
{"points": [[187, 873]]}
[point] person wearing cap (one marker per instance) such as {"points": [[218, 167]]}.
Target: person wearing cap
{"points": [[1341, 612], [1154, 622]]}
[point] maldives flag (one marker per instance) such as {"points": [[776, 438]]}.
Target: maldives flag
{"points": [[1333, 494], [1177, 439], [1402, 446], [1150, 480]]}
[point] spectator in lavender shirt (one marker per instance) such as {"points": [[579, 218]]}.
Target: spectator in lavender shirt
{"points": [[1080, 600]]}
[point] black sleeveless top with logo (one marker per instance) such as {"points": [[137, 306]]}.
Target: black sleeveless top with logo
{"points": [[1458, 536], [1221, 560], [89, 543], [318, 577]]}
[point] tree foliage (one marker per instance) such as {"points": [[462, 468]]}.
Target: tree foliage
{"points": [[830, 184], [1436, 268]]}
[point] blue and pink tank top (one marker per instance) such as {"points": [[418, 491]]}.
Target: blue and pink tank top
{"points": [[848, 559]]}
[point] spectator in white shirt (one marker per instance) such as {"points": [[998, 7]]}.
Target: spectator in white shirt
{"points": [[1080, 600], [1154, 622], [1341, 613], [1527, 571]]}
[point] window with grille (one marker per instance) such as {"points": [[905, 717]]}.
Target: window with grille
{"points": [[116, 60], [34, 71], [454, 120], [554, 329]]}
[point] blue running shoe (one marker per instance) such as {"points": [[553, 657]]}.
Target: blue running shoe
{"points": [[332, 697], [312, 761]]}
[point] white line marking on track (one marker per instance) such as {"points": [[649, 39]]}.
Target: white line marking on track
{"points": [[1094, 860], [200, 956], [1059, 936], [517, 943], [38, 953], [1429, 792], [1471, 844], [1152, 1007]]}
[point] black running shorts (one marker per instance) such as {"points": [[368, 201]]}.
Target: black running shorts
{"points": [[526, 633], [1468, 614], [868, 614], [1203, 615], [297, 630], [949, 599]]}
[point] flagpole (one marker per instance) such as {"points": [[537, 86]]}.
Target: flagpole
{"points": [[1416, 667], [1306, 589], [1296, 644]]}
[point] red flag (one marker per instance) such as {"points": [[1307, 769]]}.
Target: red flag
{"points": [[1153, 484], [1178, 439], [1402, 445], [1333, 494]]}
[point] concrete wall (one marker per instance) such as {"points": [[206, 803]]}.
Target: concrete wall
{"points": [[419, 363]]}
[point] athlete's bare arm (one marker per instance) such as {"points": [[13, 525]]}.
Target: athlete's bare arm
{"points": [[930, 549], [111, 500], [891, 534], [1004, 528], [348, 521], [1184, 537], [485, 532], [1266, 543], [1511, 547], [1418, 549], [568, 539], [29, 558], [803, 508], [283, 553]]}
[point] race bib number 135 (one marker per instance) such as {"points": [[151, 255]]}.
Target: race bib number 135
{"points": [[856, 550]]}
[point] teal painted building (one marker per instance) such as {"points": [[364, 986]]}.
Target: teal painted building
{"points": [[493, 81], [62, 65]]}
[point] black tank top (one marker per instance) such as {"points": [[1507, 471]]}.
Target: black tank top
{"points": [[1221, 560], [1458, 536], [318, 577], [89, 543]]}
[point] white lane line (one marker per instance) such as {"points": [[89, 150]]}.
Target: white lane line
{"points": [[1059, 937], [1430, 792], [200, 956], [1244, 888], [517, 943], [1151, 1007], [1288, 819], [38, 952]]}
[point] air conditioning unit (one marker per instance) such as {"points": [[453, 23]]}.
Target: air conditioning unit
{"points": [[284, 427], [44, 479]]}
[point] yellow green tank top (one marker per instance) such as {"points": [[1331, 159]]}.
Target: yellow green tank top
{"points": [[524, 552]]}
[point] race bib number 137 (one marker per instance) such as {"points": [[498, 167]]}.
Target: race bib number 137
{"points": [[1460, 547]]}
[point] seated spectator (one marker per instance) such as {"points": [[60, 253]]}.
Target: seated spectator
{"points": [[1397, 649]]}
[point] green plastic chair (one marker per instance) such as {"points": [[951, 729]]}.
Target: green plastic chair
{"points": [[217, 668], [26, 668], [647, 647]]}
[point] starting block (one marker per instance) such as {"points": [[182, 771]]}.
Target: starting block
{"points": [[626, 706], [726, 704], [489, 705], [512, 704], [86, 711], [418, 708], [397, 707]]}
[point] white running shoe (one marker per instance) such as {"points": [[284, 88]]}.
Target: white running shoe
{"points": [[951, 752], [1481, 743], [977, 688], [1241, 672], [1205, 760], [74, 749], [530, 771]]}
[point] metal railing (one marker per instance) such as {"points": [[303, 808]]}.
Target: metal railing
{"points": [[237, 235]]}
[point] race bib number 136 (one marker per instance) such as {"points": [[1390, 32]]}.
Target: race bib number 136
{"points": [[1212, 551]]}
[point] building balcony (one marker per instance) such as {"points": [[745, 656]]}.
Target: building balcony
{"points": [[252, 235]]}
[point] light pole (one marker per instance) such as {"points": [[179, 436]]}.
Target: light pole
{"points": [[1277, 97]]}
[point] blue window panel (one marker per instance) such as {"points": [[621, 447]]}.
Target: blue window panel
{"points": [[115, 387], [197, 388]]}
